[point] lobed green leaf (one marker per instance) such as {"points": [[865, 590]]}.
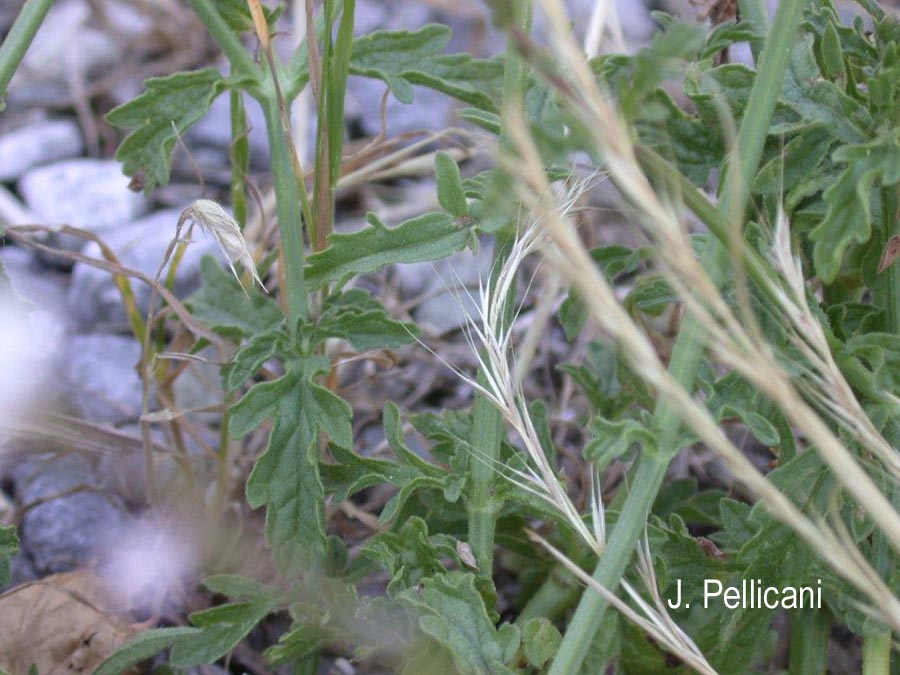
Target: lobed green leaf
{"points": [[428, 237], [286, 477], [405, 58], [166, 110], [454, 614], [142, 646]]}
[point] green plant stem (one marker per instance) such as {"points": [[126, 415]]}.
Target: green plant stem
{"points": [[240, 157], [887, 284], [690, 344], [487, 435], [886, 296], [877, 655], [288, 200], [19, 38], [308, 665], [330, 110], [756, 13], [234, 51], [558, 592], [810, 630], [487, 423]]}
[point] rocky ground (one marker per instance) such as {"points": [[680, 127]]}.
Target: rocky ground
{"points": [[72, 477]]}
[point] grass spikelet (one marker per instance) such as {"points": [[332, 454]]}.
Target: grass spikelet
{"points": [[211, 217]]}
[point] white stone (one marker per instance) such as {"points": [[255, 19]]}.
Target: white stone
{"points": [[88, 193], [55, 55], [101, 377], [94, 299], [36, 144]]}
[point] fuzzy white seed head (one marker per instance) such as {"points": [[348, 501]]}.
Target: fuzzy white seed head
{"points": [[211, 217]]}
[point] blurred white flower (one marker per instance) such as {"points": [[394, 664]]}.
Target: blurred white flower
{"points": [[152, 562], [26, 351]]}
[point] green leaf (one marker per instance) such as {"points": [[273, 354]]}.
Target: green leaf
{"points": [[683, 138], [734, 397], [352, 473], [237, 14], [171, 103], [9, 544], [405, 58], [250, 358], [222, 629], [453, 613], [614, 261], [286, 477], [848, 218], [410, 554], [412, 474], [772, 554], [235, 586], [799, 159], [225, 307], [681, 497], [332, 612], [612, 439], [428, 237], [726, 89], [832, 54], [142, 646], [726, 34], [449, 185], [363, 321], [650, 295], [737, 528], [540, 640], [483, 119], [881, 351], [820, 102]]}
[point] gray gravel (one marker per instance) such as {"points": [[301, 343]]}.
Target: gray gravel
{"points": [[94, 300], [88, 193], [72, 520], [39, 143]]}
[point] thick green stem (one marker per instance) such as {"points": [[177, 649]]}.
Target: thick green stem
{"points": [[237, 55], [287, 197], [691, 341], [877, 655], [330, 107], [487, 434], [810, 630], [877, 648], [483, 505], [555, 595], [887, 284], [757, 13], [240, 157], [19, 38]]}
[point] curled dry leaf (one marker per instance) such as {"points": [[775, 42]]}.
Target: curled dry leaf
{"points": [[61, 624], [211, 217], [890, 254], [464, 551]]}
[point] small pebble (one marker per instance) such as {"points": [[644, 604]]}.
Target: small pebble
{"points": [[39, 143], [88, 193]]}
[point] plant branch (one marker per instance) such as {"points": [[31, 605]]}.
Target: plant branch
{"points": [[19, 38], [231, 46], [487, 424]]}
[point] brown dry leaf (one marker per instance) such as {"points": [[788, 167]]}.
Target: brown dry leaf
{"points": [[61, 624], [890, 254], [464, 551]]}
